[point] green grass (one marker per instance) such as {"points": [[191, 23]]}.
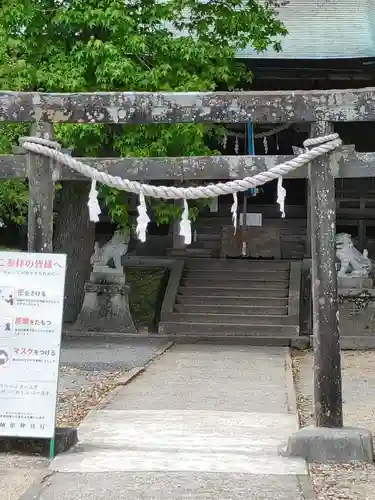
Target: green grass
{"points": [[147, 287]]}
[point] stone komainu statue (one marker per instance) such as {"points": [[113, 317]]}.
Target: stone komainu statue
{"points": [[353, 263], [111, 252]]}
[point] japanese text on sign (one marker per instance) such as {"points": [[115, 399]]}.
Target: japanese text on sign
{"points": [[30, 336]]}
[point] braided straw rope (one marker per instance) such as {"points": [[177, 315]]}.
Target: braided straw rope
{"points": [[51, 149]]}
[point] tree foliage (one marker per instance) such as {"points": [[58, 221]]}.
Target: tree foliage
{"points": [[129, 45]]}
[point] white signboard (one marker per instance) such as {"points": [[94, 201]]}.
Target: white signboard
{"points": [[214, 205], [251, 219], [31, 307]]}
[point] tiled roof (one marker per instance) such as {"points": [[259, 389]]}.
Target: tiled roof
{"points": [[324, 29]]}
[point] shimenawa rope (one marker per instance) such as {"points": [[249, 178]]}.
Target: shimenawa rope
{"points": [[52, 149]]}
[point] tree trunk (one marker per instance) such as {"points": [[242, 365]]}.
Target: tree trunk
{"points": [[75, 236]]}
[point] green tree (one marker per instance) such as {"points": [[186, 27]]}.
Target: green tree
{"points": [[134, 45]]}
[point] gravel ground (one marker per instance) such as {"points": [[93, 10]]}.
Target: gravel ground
{"points": [[88, 371], [352, 481], [80, 391]]}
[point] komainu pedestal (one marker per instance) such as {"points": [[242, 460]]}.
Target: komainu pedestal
{"points": [[355, 290], [356, 308], [105, 306]]}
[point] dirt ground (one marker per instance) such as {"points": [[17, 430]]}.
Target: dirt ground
{"points": [[352, 481]]}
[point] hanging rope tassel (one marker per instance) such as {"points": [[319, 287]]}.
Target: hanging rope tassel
{"points": [[142, 219], [93, 203], [281, 193], [265, 145], [234, 209], [185, 224]]}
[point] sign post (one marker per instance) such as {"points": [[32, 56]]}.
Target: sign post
{"points": [[31, 308]]}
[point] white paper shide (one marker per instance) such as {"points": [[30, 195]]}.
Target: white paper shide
{"points": [[31, 307]]}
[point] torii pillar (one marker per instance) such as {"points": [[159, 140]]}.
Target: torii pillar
{"points": [[328, 440]]}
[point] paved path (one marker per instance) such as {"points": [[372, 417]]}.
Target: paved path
{"points": [[94, 355], [84, 363], [202, 422]]}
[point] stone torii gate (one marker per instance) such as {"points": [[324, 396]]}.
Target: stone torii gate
{"points": [[321, 109]]}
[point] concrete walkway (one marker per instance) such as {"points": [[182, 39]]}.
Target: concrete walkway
{"points": [[202, 422]]}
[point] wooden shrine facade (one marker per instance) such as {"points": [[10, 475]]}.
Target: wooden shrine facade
{"points": [[355, 214]]}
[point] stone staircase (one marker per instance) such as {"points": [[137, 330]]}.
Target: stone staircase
{"points": [[256, 300]]}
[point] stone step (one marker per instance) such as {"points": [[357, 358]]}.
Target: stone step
{"points": [[231, 308], [231, 319], [186, 327], [233, 300], [233, 282], [237, 264], [206, 244], [235, 338], [244, 292], [190, 251], [216, 237], [247, 275]]}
